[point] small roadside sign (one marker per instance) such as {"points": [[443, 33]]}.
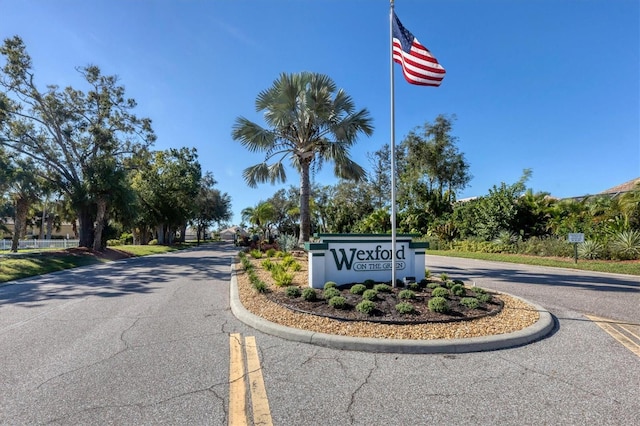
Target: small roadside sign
{"points": [[576, 238]]}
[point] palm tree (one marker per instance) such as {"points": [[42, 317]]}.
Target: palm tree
{"points": [[310, 122], [261, 216]]}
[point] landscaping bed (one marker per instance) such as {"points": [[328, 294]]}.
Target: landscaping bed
{"points": [[261, 295]]}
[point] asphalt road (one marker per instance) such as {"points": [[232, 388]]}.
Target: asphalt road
{"points": [[147, 341]]}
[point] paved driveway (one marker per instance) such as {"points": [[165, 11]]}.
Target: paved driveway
{"points": [[152, 341]]}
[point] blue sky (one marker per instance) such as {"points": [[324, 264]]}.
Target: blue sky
{"points": [[550, 85]]}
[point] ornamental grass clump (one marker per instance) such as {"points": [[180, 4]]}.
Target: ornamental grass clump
{"points": [[256, 254], [309, 294], [366, 307], [281, 277], [405, 308], [370, 295], [358, 289], [268, 265], [271, 252], [438, 304]]}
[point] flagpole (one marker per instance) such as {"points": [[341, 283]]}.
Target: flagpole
{"points": [[393, 153]]}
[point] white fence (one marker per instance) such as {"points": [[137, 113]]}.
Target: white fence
{"points": [[40, 244]]}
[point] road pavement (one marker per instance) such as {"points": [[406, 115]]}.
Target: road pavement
{"points": [[148, 341]]}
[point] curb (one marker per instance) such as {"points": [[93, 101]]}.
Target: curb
{"points": [[534, 332]]}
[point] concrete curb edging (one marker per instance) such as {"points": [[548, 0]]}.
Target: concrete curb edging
{"points": [[534, 332]]}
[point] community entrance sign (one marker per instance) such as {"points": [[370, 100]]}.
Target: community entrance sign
{"points": [[351, 258]]}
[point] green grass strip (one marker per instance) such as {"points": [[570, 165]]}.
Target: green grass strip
{"points": [[615, 267]]}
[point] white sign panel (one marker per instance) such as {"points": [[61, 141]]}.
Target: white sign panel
{"points": [[576, 238]]}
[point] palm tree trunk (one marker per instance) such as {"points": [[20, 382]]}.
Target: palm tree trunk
{"points": [[305, 214]]}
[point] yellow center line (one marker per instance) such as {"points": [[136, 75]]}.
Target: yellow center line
{"points": [[607, 326], [259, 401], [237, 387]]}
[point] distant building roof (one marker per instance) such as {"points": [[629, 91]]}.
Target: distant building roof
{"points": [[624, 187]]}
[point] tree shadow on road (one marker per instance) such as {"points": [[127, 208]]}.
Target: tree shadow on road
{"points": [[137, 275]]}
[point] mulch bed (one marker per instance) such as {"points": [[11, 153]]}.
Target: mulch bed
{"points": [[385, 311]]}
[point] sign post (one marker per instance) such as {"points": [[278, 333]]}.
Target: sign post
{"points": [[576, 238]]}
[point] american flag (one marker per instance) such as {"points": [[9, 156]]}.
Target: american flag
{"points": [[419, 66]]}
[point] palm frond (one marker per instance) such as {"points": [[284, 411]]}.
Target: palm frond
{"points": [[348, 169], [255, 174], [251, 135]]}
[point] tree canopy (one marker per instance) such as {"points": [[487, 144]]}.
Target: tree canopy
{"points": [[309, 121]]}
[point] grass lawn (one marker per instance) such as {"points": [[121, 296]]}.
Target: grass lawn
{"points": [[625, 267], [29, 263]]}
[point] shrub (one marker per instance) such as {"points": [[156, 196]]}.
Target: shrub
{"points": [[111, 243], [370, 294], [470, 302], [449, 284], [358, 289], [338, 302], [268, 265], [484, 297], [287, 242], [427, 273], [382, 288], [330, 284], [626, 245], [256, 254], [457, 290], [444, 276], [590, 250], [126, 238], [331, 292], [478, 290], [440, 292], [282, 277], [405, 308], [153, 242], [288, 261], [369, 283], [458, 282], [271, 252], [438, 304], [406, 294], [433, 285], [296, 267], [260, 286], [414, 286], [309, 294], [293, 291], [366, 307]]}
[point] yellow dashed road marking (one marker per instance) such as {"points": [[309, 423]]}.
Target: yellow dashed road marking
{"points": [[237, 383], [621, 332], [237, 387], [259, 401]]}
